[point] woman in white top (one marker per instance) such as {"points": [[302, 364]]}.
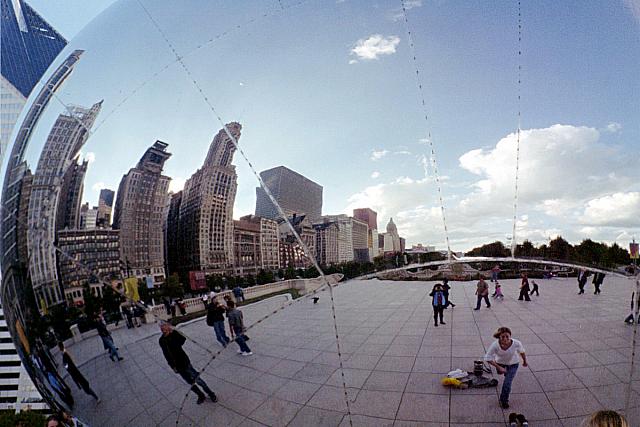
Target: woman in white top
{"points": [[504, 354]]}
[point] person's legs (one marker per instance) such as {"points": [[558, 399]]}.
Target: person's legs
{"points": [[506, 384], [526, 295], [486, 300], [241, 342], [221, 336], [113, 352], [435, 315], [441, 314], [478, 302], [190, 376]]}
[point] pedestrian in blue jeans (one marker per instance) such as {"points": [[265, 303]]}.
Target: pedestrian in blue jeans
{"points": [[107, 339], [215, 318], [504, 354], [236, 324]]}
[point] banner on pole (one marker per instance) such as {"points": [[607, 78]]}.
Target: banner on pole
{"points": [[634, 248], [131, 288]]}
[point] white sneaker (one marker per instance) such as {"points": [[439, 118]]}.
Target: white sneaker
{"points": [[247, 354], [240, 352]]}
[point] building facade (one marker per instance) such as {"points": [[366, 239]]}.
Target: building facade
{"points": [[269, 245], [246, 246], [292, 253], [391, 240], [205, 213], [370, 217], [360, 240], [98, 251], [345, 236], [327, 247], [68, 134], [28, 46], [295, 193], [138, 214], [71, 196], [105, 205]]}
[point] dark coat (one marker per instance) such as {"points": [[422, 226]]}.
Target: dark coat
{"points": [[172, 349]]}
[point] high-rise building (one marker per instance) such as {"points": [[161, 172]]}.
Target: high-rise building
{"points": [[16, 289], [172, 233], [360, 236], [105, 204], [345, 236], [98, 251], [28, 46], [295, 193], [292, 253], [205, 223], [327, 242], [391, 238], [269, 245], [246, 245], [88, 217], [68, 134], [367, 215], [71, 196], [139, 213]]}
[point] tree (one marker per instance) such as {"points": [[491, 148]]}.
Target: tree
{"points": [[560, 249], [172, 287], [92, 303], [495, 249], [249, 280], [289, 273]]}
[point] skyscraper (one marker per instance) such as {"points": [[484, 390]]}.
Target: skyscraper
{"points": [[367, 215], [205, 223], [71, 196], [105, 204], [138, 215], [67, 136], [28, 46], [295, 193]]}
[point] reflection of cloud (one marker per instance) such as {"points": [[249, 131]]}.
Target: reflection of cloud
{"points": [[90, 157], [176, 184], [375, 174], [378, 154], [374, 46], [618, 209], [98, 186], [613, 127], [634, 8], [398, 14]]}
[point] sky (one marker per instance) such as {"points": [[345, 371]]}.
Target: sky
{"points": [[332, 91]]}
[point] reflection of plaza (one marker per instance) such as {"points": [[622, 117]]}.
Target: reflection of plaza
{"points": [[393, 361]]}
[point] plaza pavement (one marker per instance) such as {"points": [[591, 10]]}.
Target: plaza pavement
{"points": [[578, 348]]}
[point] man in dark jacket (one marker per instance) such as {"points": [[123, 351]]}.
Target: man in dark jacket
{"points": [[171, 342], [215, 318], [75, 373]]}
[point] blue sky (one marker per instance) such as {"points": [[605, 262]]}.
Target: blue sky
{"points": [[329, 89]]}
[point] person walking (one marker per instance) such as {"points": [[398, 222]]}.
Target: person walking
{"points": [[446, 288], [167, 305], [215, 318], [171, 342], [75, 373], [107, 339], [582, 280], [494, 273], [238, 293], [629, 318], [524, 288], [598, 278], [482, 292], [439, 302], [236, 325], [535, 288], [504, 354]]}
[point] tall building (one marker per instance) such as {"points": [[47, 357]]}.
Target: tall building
{"points": [[292, 253], [345, 236], [327, 242], [205, 223], [360, 240], [71, 196], [246, 246], [269, 245], [88, 217], [68, 134], [16, 289], [295, 193], [28, 46], [97, 249], [391, 238], [139, 212], [172, 233], [105, 204], [368, 216]]}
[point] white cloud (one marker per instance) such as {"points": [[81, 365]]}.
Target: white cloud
{"points": [[424, 141], [176, 184], [378, 154], [374, 46], [375, 175], [634, 8], [90, 157], [398, 14], [402, 152], [618, 209], [613, 127], [98, 186]]}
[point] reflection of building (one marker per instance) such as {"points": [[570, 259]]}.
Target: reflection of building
{"points": [[88, 217], [291, 252], [97, 251], [172, 233], [71, 196], [293, 192], [17, 296], [68, 134], [345, 236], [360, 240], [327, 242], [392, 242], [105, 204], [255, 245], [371, 218], [29, 45], [205, 215], [138, 215], [269, 245]]}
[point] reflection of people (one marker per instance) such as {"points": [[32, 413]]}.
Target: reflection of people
{"points": [[503, 355], [582, 280], [215, 318], [524, 288], [438, 302], [605, 419], [446, 288], [598, 278], [494, 273], [107, 340], [535, 289], [75, 373], [236, 324], [44, 365], [238, 293], [171, 342], [629, 318], [53, 421], [482, 291]]}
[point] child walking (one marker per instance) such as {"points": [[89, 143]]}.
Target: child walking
{"points": [[535, 289], [498, 293]]}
